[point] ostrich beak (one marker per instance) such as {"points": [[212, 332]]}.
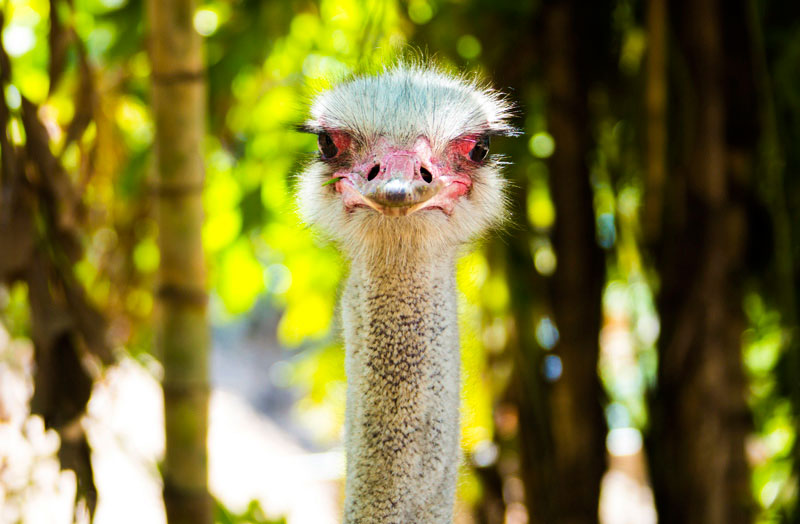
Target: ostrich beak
{"points": [[399, 187], [399, 197]]}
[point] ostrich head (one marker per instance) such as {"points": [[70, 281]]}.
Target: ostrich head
{"points": [[404, 162]]}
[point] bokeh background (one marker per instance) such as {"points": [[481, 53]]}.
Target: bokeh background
{"points": [[629, 339]]}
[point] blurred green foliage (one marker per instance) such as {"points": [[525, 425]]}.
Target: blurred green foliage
{"points": [[254, 514], [763, 342], [265, 60]]}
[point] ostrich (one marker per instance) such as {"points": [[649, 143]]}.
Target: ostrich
{"points": [[402, 182]]}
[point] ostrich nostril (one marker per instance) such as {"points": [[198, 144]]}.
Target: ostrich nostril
{"points": [[426, 175], [374, 171]]}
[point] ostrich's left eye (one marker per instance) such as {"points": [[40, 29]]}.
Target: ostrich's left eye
{"points": [[480, 150], [326, 146]]}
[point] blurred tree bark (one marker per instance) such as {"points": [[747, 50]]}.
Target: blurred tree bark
{"points": [[578, 426], [656, 124], [700, 418], [561, 424], [178, 81]]}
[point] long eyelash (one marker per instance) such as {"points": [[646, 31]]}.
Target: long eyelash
{"points": [[507, 131], [307, 128], [511, 132]]}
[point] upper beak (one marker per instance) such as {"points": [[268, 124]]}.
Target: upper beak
{"points": [[398, 189]]}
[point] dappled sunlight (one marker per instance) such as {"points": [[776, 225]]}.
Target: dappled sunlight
{"points": [[33, 489], [631, 329], [251, 457]]}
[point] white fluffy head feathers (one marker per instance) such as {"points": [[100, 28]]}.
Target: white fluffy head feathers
{"points": [[434, 123]]}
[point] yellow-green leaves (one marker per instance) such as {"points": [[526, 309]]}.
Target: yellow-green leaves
{"points": [[240, 277]]}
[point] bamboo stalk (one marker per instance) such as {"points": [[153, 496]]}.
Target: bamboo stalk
{"points": [[178, 99]]}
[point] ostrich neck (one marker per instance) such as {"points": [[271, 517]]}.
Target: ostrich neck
{"points": [[402, 420]]}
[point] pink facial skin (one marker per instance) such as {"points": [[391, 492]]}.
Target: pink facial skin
{"points": [[398, 182]]}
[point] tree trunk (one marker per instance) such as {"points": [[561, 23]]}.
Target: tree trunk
{"points": [[183, 338], [574, 399], [700, 418]]}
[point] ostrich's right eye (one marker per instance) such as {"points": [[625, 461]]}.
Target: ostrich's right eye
{"points": [[480, 150], [327, 147]]}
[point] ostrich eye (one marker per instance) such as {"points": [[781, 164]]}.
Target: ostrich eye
{"points": [[480, 150], [326, 145]]}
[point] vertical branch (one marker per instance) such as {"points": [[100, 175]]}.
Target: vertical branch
{"points": [[656, 108], [179, 111]]}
